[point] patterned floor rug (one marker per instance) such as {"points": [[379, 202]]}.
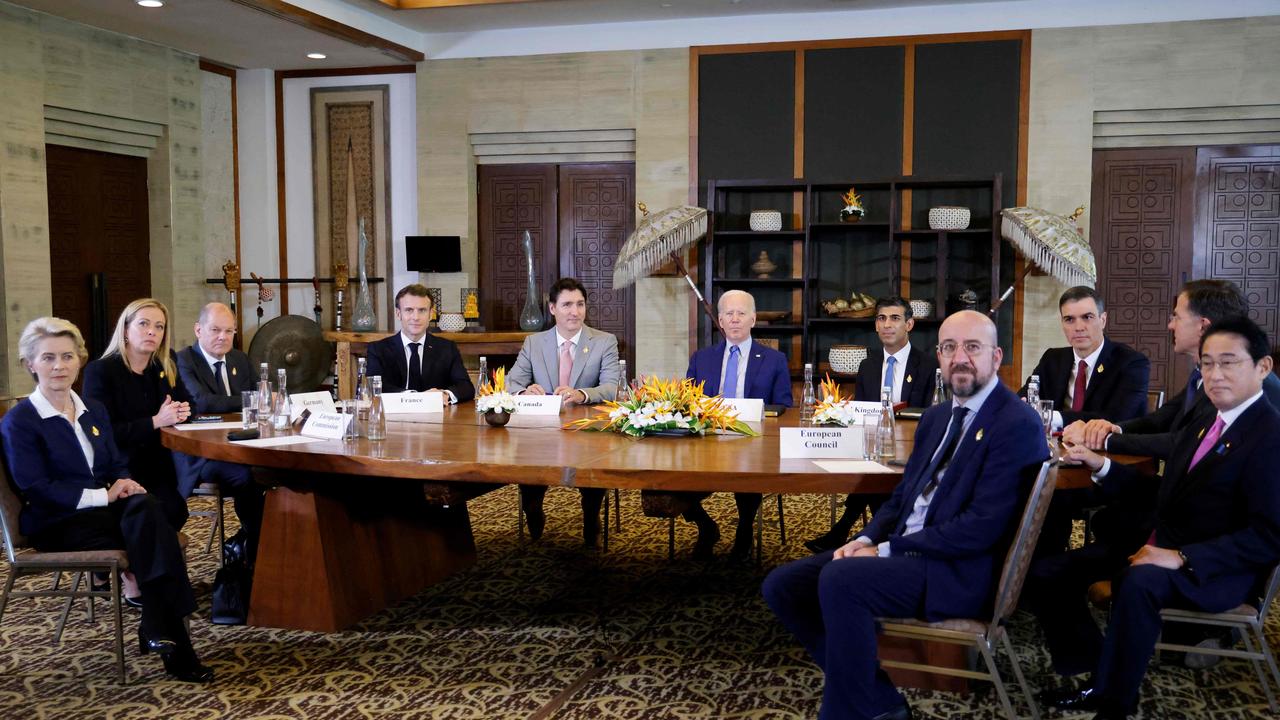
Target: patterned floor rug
{"points": [[546, 630]]}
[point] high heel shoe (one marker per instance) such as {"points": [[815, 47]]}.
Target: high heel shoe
{"points": [[186, 667], [161, 646]]}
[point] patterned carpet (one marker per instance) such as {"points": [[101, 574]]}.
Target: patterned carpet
{"points": [[533, 631]]}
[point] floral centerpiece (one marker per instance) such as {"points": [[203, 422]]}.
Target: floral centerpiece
{"points": [[494, 401], [834, 409], [853, 209], [676, 406]]}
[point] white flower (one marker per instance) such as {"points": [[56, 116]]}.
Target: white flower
{"points": [[500, 401]]}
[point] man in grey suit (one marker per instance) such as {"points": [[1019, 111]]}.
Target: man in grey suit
{"points": [[578, 363]]}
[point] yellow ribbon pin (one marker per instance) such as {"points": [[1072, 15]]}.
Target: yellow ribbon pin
{"points": [[161, 374], [233, 372], [95, 430], [1100, 369], [979, 436], [908, 378], [586, 350]]}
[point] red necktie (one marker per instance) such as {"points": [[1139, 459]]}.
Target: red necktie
{"points": [[1082, 377]]}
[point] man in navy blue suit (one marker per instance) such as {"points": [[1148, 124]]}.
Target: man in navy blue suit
{"points": [[736, 367], [934, 549], [414, 359], [1214, 534]]}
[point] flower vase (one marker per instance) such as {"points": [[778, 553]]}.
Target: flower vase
{"points": [[363, 319], [497, 418], [850, 217], [531, 319]]}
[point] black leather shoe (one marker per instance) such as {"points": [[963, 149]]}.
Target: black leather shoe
{"points": [[160, 645], [187, 669], [1079, 698], [536, 519], [708, 536], [742, 545], [902, 712]]}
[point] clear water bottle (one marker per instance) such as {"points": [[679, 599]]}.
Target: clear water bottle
{"points": [[1033, 392], [283, 408], [265, 404], [483, 377], [377, 416], [808, 399], [362, 398], [939, 389], [624, 383], [888, 446]]}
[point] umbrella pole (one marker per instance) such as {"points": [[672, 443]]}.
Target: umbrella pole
{"points": [[1005, 296], [706, 306]]}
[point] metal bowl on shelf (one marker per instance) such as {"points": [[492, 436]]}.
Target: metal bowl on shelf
{"points": [[772, 316], [845, 359]]}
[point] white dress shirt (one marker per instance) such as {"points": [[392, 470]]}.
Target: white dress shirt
{"points": [[408, 355], [899, 371], [1090, 362], [90, 497], [740, 382]]}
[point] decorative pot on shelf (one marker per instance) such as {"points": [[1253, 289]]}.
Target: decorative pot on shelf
{"points": [[497, 418], [948, 217], [452, 322], [765, 220], [921, 308], [853, 209], [763, 266], [845, 359]]}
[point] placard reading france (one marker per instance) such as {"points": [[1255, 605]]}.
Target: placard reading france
{"points": [[821, 442], [407, 403]]}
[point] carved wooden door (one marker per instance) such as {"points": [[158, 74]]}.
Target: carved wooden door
{"points": [[515, 198], [98, 223], [1238, 225], [1141, 237]]}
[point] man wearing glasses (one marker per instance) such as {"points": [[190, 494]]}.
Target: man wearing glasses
{"points": [[933, 550]]}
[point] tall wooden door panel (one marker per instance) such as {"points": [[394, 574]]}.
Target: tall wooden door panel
{"points": [[1141, 236], [596, 217], [515, 198], [1238, 225], [97, 224]]}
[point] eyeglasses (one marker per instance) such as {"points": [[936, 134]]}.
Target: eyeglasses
{"points": [[1227, 366], [971, 348]]}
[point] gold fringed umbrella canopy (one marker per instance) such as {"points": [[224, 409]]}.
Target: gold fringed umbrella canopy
{"points": [[658, 238], [1050, 242]]}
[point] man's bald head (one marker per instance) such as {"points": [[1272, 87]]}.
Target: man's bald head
{"points": [[968, 352]]}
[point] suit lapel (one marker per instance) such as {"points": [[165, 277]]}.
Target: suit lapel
{"points": [[200, 364], [402, 363], [581, 355], [754, 362], [550, 359], [97, 438], [1190, 479], [713, 379], [909, 376], [1098, 376], [970, 443]]}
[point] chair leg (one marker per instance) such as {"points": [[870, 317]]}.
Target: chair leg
{"points": [[833, 511], [8, 586], [759, 538], [617, 509], [671, 538], [1022, 680], [989, 659], [605, 509], [1256, 627], [1257, 663], [519, 517], [66, 609], [119, 624], [782, 523]]}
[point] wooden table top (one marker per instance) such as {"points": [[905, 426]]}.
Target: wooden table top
{"points": [[458, 446]]}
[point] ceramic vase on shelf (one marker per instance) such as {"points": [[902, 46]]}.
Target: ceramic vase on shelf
{"points": [[763, 266], [363, 319], [531, 315]]}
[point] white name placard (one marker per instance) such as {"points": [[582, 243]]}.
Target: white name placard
{"points": [[538, 404], [326, 425], [412, 403], [865, 409], [314, 401], [821, 442], [748, 409]]}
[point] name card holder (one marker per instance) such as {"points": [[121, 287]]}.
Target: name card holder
{"points": [[326, 425], [314, 401], [748, 409], [821, 442], [538, 404], [412, 403]]}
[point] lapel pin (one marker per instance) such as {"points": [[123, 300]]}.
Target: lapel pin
{"points": [[161, 374], [1100, 369], [1201, 435], [978, 438], [94, 428], [908, 378], [233, 372], [759, 355]]}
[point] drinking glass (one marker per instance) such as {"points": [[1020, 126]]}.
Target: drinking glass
{"points": [[870, 437], [1046, 417], [349, 408], [249, 409]]}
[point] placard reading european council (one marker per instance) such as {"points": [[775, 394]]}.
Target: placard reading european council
{"points": [[821, 442]]}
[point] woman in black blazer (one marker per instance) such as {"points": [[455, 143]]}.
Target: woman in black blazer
{"points": [[78, 493], [137, 380]]}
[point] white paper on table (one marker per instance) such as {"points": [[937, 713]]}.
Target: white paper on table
{"points": [[538, 404], [747, 409], [326, 425], [209, 426], [310, 401], [412, 403], [852, 466], [276, 441]]}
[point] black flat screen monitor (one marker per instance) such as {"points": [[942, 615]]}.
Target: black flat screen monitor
{"points": [[433, 253]]}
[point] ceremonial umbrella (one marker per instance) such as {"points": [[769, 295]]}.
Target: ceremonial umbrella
{"points": [[656, 239], [1052, 243]]}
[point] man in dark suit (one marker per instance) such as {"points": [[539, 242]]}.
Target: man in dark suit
{"points": [[414, 359], [908, 372], [1094, 377], [735, 367], [934, 549], [215, 374], [1214, 534]]}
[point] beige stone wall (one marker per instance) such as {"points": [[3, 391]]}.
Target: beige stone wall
{"points": [[218, 179], [1077, 71], [645, 90], [49, 61]]}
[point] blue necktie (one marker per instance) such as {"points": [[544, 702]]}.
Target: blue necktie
{"points": [[730, 385], [1193, 384], [888, 376], [949, 443]]}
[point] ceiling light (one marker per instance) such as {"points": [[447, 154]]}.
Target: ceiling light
{"points": [[317, 56], [151, 3]]}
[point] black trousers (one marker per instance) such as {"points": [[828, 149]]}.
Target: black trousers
{"points": [[1055, 592], [237, 481], [592, 499], [139, 525]]}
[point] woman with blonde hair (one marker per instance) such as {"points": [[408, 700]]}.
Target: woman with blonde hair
{"points": [[78, 492], [137, 380]]}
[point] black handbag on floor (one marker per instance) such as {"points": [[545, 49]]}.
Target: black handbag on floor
{"points": [[231, 589]]}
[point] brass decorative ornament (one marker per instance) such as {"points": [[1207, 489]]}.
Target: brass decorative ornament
{"points": [[979, 437]]}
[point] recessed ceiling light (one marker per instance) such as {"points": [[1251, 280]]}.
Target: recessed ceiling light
{"points": [[151, 3], [317, 56]]}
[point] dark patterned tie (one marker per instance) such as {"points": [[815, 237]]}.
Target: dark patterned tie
{"points": [[954, 431], [217, 374], [415, 368]]}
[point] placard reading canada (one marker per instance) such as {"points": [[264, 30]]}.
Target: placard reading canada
{"points": [[538, 404]]}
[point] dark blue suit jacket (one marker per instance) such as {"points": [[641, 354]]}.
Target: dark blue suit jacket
{"points": [[767, 374], [974, 508], [1223, 514], [47, 465], [441, 366], [1117, 388]]}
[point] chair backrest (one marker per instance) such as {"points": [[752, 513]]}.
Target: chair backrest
{"points": [[1273, 585], [1155, 398], [10, 506], [1018, 559]]}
